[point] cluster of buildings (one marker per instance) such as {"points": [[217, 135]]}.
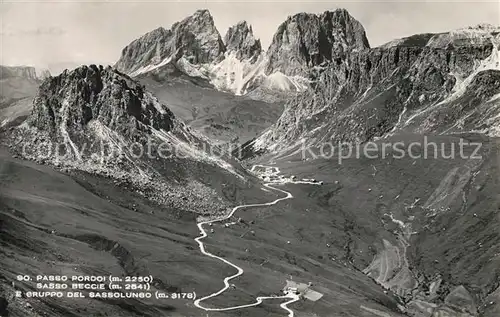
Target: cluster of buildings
{"points": [[274, 178]]}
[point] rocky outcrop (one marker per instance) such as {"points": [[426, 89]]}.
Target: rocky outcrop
{"points": [[306, 40], [240, 40], [3, 306], [96, 93], [196, 38], [461, 300]]}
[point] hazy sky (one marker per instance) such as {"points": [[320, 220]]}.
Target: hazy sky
{"points": [[64, 33]]}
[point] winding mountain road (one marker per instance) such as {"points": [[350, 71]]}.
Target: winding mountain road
{"points": [[293, 297]]}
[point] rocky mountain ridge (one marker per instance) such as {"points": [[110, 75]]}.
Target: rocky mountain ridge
{"points": [[442, 83], [438, 253]]}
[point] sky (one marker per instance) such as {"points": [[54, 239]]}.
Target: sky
{"points": [[58, 34]]}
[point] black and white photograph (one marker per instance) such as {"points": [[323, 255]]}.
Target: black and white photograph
{"points": [[217, 158]]}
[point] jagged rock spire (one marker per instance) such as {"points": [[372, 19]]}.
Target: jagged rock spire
{"points": [[305, 40], [240, 40]]}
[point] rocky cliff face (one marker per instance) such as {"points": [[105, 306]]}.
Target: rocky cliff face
{"points": [[306, 40], [195, 38], [240, 40], [152, 46], [424, 83]]}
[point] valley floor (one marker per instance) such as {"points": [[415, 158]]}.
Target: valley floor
{"points": [[54, 223]]}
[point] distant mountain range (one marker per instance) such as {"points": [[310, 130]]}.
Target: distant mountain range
{"points": [[347, 90], [337, 87], [238, 63], [26, 72]]}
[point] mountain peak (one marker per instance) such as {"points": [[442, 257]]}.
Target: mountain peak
{"points": [[243, 24], [240, 39], [305, 40], [201, 16], [481, 34]]}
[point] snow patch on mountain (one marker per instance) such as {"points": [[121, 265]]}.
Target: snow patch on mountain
{"points": [[150, 67], [234, 74], [192, 69], [280, 81]]}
